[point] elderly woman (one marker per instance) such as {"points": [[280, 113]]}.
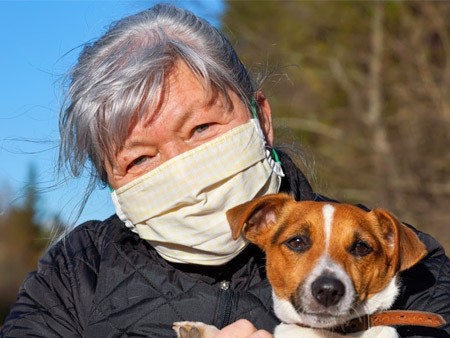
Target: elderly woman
{"points": [[163, 111]]}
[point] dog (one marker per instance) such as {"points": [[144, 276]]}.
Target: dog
{"points": [[328, 264]]}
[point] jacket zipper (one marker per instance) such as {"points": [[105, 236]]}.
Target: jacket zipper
{"points": [[225, 304]]}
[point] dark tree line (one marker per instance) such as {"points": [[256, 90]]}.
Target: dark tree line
{"points": [[24, 236]]}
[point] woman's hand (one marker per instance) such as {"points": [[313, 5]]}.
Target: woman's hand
{"points": [[242, 329], [239, 329]]}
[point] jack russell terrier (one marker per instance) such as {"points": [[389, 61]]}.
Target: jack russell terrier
{"points": [[333, 267]]}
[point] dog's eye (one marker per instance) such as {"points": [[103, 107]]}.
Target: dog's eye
{"points": [[298, 243], [360, 249]]}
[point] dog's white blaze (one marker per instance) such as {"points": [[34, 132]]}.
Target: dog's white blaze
{"points": [[327, 211]]}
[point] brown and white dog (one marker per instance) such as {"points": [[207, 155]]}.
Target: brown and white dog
{"points": [[328, 263]]}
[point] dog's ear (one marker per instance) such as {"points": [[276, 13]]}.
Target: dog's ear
{"points": [[256, 215], [404, 245]]}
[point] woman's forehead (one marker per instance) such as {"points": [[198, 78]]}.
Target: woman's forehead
{"points": [[182, 89]]}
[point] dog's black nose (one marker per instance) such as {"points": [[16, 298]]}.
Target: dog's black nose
{"points": [[327, 291]]}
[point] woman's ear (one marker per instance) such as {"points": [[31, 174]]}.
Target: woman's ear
{"points": [[265, 116]]}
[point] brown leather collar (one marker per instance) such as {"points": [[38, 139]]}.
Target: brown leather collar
{"points": [[389, 318]]}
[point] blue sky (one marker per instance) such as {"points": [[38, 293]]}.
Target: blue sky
{"points": [[40, 40]]}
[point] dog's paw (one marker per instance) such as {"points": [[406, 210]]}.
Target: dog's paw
{"points": [[187, 330], [194, 330]]}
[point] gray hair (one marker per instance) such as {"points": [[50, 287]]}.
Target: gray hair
{"points": [[122, 75]]}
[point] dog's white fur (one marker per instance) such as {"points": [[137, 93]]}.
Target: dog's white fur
{"points": [[327, 212]]}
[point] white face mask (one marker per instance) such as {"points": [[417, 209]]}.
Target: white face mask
{"points": [[180, 206]]}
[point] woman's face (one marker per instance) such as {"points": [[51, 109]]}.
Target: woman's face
{"points": [[186, 119]]}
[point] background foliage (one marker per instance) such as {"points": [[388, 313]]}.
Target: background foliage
{"points": [[362, 87]]}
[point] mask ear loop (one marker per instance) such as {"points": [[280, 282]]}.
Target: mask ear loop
{"points": [[119, 211], [271, 153]]}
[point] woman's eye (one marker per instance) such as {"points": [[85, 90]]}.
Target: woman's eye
{"points": [[202, 127], [138, 161]]}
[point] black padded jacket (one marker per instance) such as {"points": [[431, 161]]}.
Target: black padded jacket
{"points": [[102, 280]]}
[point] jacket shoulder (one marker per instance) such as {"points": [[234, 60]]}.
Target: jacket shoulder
{"points": [[83, 242]]}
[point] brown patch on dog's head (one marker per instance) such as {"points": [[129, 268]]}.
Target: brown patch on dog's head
{"points": [[257, 217]]}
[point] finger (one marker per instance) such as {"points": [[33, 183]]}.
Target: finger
{"points": [[239, 329], [261, 334]]}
